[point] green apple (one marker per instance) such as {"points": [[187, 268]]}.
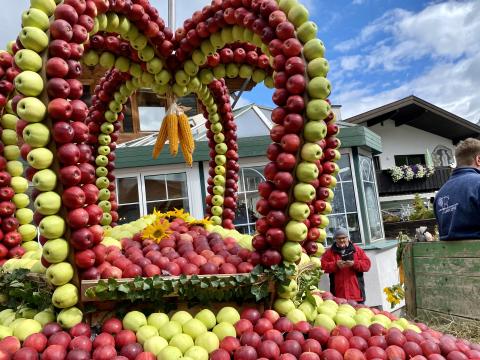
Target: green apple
{"points": [[163, 77], [319, 87], [11, 152], [248, 35], [91, 58], [221, 148], [33, 38], [36, 135], [104, 194], [217, 210], [307, 31], [122, 64], [208, 341], [291, 251], [220, 71], [258, 75], [228, 314], [232, 70], [154, 66], [107, 60], [34, 18], [124, 26], [314, 49], [132, 33], [68, 318], [315, 130], [182, 78], [206, 76], [44, 317], [286, 5], [28, 232], [47, 6], [113, 21], [101, 171], [134, 320], [44, 180], [296, 231], [207, 47], [157, 320], [296, 315], [9, 320], [19, 184], [269, 83], [283, 306], [31, 109], [207, 317], [220, 160], [195, 327], [344, 320], [147, 79], [325, 321], [245, 71], [145, 332], [304, 192], [4, 314], [9, 121], [135, 70], [29, 83], [104, 139], [311, 152], [102, 182], [146, 54], [5, 331], [227, 35], [24, 216], [9, 137], [169, 353], [217, 41], [321, 248], [287, 291], [111, 116], [55, 251], [32, 246], [179, 90], [318, 67], [224, 329], [106, 219], [48, 203], [59, 274], [104, 150], [170, 329], [155, 344], [65, 296], [237, 32], [307, 172], [220, 170], [219, 180], [299, 211], [309, 310], [26, 328], [52, 227], [298, 15], [183, 342], [140, 42], [15, 168], [219, 138]]}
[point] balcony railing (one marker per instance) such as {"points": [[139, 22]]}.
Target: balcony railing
{"points": [[387, 187]]}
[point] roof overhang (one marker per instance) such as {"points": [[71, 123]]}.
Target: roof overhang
{"points": [[422, 115]]}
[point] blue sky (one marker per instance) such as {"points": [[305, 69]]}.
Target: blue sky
{"points": [[379, 50]]}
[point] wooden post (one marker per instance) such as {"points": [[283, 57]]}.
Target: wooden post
{"points": [[409, 284]]}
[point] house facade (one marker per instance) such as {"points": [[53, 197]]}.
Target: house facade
{"points": [[413, 131]]}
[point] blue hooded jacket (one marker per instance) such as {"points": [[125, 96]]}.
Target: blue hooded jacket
{"points": [[457, 205]]}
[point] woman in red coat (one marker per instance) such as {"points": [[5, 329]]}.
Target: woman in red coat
{"points": [[345, 263]]}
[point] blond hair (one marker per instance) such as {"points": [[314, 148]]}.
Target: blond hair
{"points": [[466, 152]]}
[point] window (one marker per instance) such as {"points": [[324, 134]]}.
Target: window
{"points": [[371, 198], [166, 192], [189, 101], [246, 214], [128, 199], [409, 159], [151, 110], [344, 205], [127, 123], [376, 163], [167, 188]]}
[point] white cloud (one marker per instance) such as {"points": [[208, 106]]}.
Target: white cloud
{"points": [[444, 35], [358, 2], [11, 20]]}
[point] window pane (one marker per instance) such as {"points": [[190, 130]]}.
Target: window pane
{"points": [[177, 185], [127, 213], [86, 96], [127, 123], [245, 229], [151, 110], [354, 228], [241, 212], [189, 101], [349, 196], [167, 205], [155, 187], [252, 177], [345, 173], [252, 199], [127, 190], [338, 207], [371, 198]]}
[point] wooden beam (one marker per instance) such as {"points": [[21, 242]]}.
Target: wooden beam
{"points": [[417, 115]]}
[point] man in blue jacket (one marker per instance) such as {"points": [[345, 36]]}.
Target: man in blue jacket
{"points": [[457, 203]]}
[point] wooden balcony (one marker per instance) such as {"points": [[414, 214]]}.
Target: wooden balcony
{"points": [[386, 186]]}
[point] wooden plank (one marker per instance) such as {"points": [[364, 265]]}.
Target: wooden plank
{"points": [[409, 281], [451, 294], [448, 249], [448, 266]]}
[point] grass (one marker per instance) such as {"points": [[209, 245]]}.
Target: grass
{"points": [[463, 329]]}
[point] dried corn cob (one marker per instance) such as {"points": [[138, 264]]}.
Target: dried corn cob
{"points": [[161, 139], [186, 132]]}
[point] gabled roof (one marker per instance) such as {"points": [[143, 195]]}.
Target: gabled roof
{"points": [[422, 115]]}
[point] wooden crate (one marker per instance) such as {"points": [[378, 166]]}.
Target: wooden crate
{"points": [[443, 277]]}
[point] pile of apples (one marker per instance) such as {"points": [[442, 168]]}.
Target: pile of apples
{"points": [[223, 168], [7, 75], [189, 250]]}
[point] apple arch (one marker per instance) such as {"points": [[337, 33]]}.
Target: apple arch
{"points": [[70, 148]]}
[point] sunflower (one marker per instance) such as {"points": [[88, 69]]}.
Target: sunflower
{"points": [[157, 231], [178, 214], [203, 222]]}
